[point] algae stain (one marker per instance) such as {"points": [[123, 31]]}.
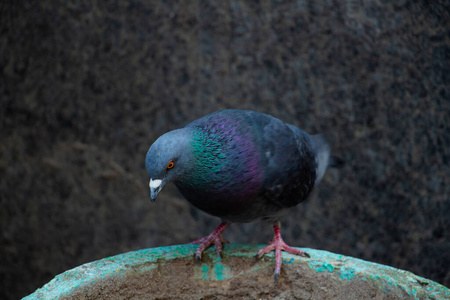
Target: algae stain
{"points": [[217, 272], [329, 267], [324, 267], [222, 272], [205, 271], [347, 274]]}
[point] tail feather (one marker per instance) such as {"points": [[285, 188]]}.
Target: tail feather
{"points": [[322, 150]]}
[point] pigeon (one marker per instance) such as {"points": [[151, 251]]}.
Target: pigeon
{"points": [[240, 166]]}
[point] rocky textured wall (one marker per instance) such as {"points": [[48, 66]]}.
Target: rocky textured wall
{"points": [[87, 86]]}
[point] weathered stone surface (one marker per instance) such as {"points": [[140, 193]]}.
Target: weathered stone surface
{"points": [[171, 273]]}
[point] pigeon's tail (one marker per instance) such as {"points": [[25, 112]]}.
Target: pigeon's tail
{"points": [[322, 150]]}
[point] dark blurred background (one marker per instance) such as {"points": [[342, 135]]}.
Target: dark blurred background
{"points": [[87, 86]]}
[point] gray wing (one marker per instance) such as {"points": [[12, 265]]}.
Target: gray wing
{"points": [[290, 161]]}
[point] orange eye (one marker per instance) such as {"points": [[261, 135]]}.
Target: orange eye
{"points": [[170, 165]]}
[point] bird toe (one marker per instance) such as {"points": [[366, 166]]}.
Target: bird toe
{"points": [[198, 259]]}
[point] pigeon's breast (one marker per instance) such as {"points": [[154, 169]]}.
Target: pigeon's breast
{"points": [[227, 173]]}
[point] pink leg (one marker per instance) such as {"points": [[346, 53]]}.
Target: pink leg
{"points": [[277, 244], [215, 237]]}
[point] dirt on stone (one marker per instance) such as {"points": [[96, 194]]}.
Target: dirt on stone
{"points": [[177, 280]]}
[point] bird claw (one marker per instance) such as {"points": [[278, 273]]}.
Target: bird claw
{"points": [[198, 259], [214, 238], [278, 245]]}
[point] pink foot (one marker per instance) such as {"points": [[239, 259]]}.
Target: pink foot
{"points": [[215, 237], [277, 244]]}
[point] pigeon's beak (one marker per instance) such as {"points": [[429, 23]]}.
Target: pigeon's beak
{"points": [[155, 187]]}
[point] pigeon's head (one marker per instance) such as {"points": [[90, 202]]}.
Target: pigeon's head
{"points": [[166, 160]]}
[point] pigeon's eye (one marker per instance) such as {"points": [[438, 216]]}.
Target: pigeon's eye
{"points": [[170, 165]]}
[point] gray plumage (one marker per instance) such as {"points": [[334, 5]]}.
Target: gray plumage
{"points": [[240, 165]]}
